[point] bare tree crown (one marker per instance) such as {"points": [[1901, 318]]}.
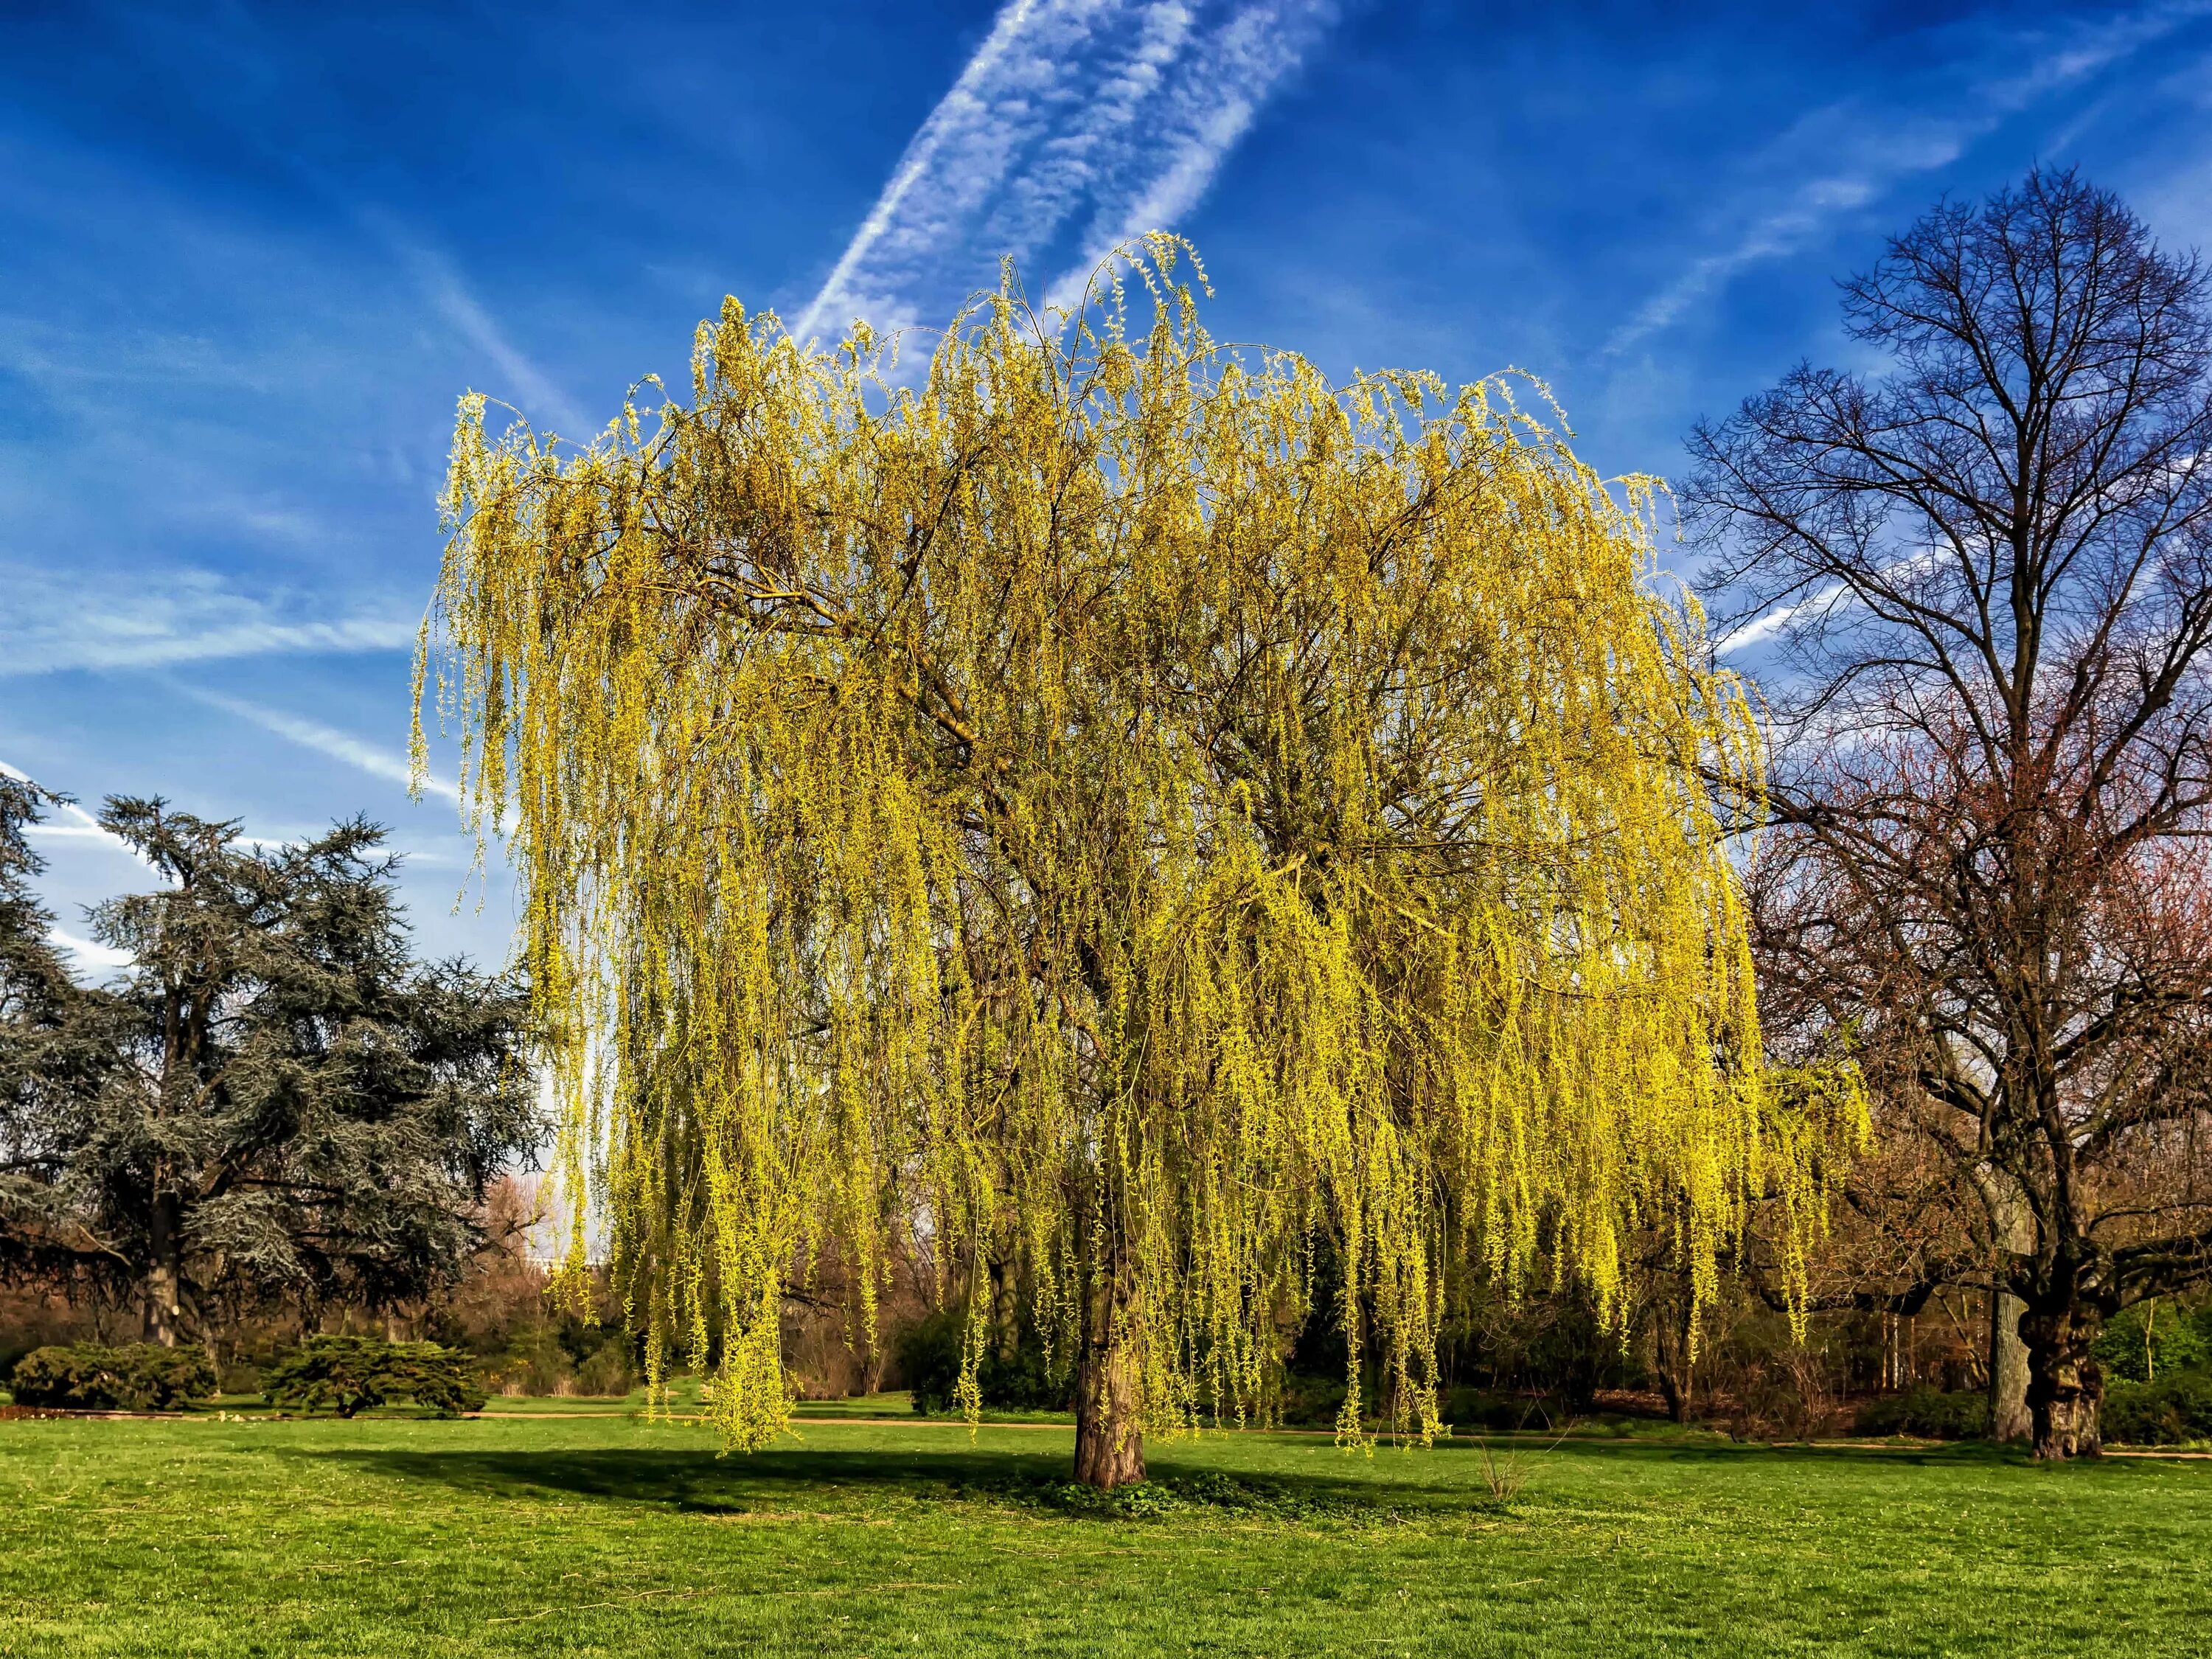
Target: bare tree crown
{"points": [[1987, 577], [2010, 527]]}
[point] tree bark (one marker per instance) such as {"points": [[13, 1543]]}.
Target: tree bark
{"points": [[2065, 1386], [2008, 1413], [1671, 1354], [1006, 1310], [164, 1287], [1109, 1442]]}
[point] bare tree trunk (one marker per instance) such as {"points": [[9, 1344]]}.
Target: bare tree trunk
{"points": [[2065, 1386], [2010, 1418], [2008, 1413]]}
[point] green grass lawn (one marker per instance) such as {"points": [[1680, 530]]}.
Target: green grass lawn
{"points": [[607, 1535]]}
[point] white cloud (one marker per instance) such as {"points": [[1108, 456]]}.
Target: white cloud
{"points": [[324, 740], [82, 825], [92, 956], [1105, 119], [528, 387], [52, 620], [1854, 154], [440, 282], [1828, 600], [1769, 624]]}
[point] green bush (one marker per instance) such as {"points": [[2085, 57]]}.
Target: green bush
{"points": [[607, 1370], [1476, 1411], [1309, 1400], [534, 1362], [2176, 1408], [349, 1374], [2146, 1342], [929, 1354], [90, 1376], [1930, 1413]]}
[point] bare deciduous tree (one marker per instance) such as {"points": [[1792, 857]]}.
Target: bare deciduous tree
{"points": [[1988, 574]]}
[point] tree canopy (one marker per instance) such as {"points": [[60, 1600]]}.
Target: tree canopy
{"points": [[1121, 804], [1990, 573], [274, 1102]]}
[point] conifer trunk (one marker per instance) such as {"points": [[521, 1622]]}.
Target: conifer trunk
{"points": [[163, 1289], [2065, 1385]]}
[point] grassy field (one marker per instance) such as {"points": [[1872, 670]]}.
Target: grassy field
{"points": [[584, 1533]]}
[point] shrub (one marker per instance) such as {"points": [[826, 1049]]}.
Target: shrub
{"points": [[1489, 1410], [1930, 1413], [58, 1377], [2145, 1343], [1312, 1401], [534, 1362], [607, 1370], [348, 1374], [929, 1355], [2176, 1408], [90, 1376]]}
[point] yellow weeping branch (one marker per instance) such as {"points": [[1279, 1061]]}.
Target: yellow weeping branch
{"points": [[1126, 807]]}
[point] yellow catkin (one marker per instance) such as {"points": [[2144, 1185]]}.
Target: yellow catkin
{"points": [[1120, 765]]}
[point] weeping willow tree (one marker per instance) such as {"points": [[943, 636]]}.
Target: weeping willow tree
{"points": [[1122, 806]]}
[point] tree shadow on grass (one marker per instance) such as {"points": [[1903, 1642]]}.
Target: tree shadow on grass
{"points": [[785, 1479], [776, 1481]]}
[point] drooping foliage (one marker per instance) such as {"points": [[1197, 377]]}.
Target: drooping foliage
{"points": [[1122, 804]]}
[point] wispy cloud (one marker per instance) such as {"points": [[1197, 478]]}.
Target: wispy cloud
{"points": [[1077, 124], [528, 386], [82, 826], [1848, 154], [1769, 624], [1828, 600], [92, 956], [323, 739], [50, 621]]}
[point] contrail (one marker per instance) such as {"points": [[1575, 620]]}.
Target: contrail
{"points": [[1862, 152], [324, 740], [1077, 124]]}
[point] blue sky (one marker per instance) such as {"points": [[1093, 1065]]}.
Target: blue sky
{"points": [[249, 255]]}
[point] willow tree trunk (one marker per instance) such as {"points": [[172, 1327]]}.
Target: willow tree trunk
{"points": [[1006, 1310], [1671, 1356], [1109, 1442], [2065, 1386]]}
